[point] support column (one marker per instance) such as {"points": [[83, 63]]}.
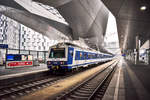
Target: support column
{"points": [[44, 56], [137, 50], [148, 53], [38, 55], [147, 56], [6, 57]]}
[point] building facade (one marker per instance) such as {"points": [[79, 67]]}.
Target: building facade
{"points": [[18, 36]]}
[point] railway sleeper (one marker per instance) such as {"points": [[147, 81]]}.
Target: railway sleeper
{"points": [[75, 97], [87, 89], [84, 91], [87, 94]]}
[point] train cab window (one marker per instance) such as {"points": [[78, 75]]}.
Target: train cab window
{"points": [[57, 53]]}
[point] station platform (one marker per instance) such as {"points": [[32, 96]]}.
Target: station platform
{"points": [[130, 82], [6, 73]]}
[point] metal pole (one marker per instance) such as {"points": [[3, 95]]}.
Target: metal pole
{"points": [[37, 55], [44, 56], [6, 58], [137, 50], [19, 36]]}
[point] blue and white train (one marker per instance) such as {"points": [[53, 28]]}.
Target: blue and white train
{"points": [[67, 56]]}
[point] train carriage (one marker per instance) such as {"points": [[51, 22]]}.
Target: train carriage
{"points": [[67, 56]]}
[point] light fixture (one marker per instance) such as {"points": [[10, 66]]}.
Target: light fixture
{"points": [[142, 8]]}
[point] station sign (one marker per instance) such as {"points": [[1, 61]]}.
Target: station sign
{"points": [[4, 46]]}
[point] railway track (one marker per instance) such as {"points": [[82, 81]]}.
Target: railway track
{"points": [[11, 92], [92, 88], [15, 91]]}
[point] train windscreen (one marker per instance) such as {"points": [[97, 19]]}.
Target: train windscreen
{"points": [[57, 53]]}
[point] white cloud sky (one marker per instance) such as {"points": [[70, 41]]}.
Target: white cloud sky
{"points": [[111, 34], [111, 30]]}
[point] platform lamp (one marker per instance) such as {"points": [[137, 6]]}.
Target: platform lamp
{"points": [[143, 5], [143, 8]]}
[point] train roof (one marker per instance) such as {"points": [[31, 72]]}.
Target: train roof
{"points": [[74, 45], [65, 44], [70, 44]]}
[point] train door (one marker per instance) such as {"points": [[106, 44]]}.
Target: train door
{"points": [[70, 56], [85, 59]]}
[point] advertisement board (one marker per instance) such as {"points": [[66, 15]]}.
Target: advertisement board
{"points": [[18, 60], [12, 64]]}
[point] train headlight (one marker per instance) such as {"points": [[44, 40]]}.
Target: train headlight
{"points": [[48, 62], [62, 63]]}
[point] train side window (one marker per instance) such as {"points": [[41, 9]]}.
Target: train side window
{"points": [[88, 56], [101, 56], [95, 55], [77, 55], [85, 55], [80, 55]]}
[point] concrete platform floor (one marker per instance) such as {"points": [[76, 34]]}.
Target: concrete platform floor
{"points": [[13, 72], [130, 82], [57, 88]]}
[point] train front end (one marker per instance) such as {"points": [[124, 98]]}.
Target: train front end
{"points": [[57, 59]]}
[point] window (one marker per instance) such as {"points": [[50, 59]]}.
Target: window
{"points": [[57, 53], [89, 56], [80, 55], [85, 55]]}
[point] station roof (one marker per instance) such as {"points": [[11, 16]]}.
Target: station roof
{"points": [[133, 18]]}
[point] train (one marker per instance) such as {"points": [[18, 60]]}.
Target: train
{"points": [[64, 57]]}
